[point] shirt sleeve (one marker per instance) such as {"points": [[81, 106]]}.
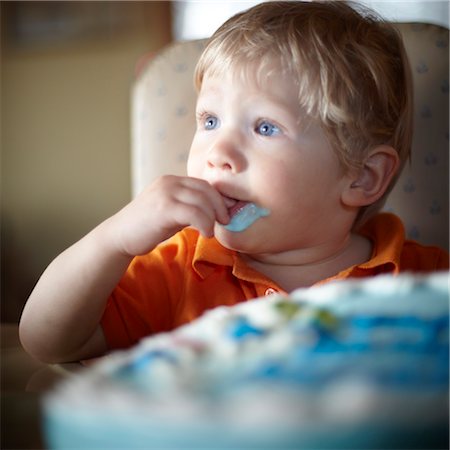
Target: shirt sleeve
{"points": [[144, 300]]}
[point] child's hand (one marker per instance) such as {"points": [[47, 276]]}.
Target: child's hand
{"points": [[165, 207], [75, 287]]}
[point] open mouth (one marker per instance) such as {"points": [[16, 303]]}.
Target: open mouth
{"points": [[242, 213], [233, 205]]}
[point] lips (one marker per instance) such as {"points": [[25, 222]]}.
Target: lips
{"points": [[233, 205], [243, 214]]}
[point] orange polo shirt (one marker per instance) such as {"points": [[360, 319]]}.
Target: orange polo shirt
{"points": [[188, 274]]}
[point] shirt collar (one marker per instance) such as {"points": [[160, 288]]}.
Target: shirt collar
{"points": [[209, 254], [387, 234]]}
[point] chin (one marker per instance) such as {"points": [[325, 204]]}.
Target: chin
{"points": [[247, 241]]}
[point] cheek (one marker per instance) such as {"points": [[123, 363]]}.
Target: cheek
{"points": [[283, 178], [193, 164], [291, 188], [190, 167], [196, 158]]}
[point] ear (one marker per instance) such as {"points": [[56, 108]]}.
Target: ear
{"points": [[369, 183]]}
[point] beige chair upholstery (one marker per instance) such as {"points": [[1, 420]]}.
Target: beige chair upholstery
{"points": [[163, 123]]}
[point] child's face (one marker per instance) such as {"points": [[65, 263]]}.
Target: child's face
{"points": [[254, 144]]}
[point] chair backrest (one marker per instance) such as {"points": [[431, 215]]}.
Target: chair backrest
{"points": [[163, 124]]}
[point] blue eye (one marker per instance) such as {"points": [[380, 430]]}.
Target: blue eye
{"points": [[267, 129], [210, 123]]}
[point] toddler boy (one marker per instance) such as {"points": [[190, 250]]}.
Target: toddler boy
{"points": [[304, 121]]}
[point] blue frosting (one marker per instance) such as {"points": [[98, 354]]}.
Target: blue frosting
{"points": [[242, 328], [246, 217]]}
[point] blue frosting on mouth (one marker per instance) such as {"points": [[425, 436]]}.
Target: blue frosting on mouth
{"points": [[246, 216]]}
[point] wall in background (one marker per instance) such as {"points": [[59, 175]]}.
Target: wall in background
{"points": [[66, 73], [197, 19]]}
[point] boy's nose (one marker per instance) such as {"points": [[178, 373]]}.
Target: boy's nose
{"points": [[224, 155]]}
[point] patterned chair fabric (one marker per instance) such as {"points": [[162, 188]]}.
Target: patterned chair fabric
{"points": [[163, 124]]}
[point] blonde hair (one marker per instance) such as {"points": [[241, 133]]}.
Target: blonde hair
{"points": [[350, 66]]}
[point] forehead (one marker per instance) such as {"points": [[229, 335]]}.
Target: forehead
{"points": [[244, 64], [267, 77], [268, 94]]}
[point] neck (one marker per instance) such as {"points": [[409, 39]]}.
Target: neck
{"points": [[304, 267]]}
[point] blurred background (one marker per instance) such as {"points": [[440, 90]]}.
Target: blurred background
{"points": [[66, 73], [67, 69]]}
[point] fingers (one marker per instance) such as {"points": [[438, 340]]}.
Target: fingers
{"points": [[186, 201], [208, 199], [165, 207]]}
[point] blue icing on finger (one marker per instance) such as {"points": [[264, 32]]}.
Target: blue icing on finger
{"points": [[246, 216]]}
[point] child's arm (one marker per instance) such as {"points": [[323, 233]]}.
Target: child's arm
{"points": [[61, 319]]}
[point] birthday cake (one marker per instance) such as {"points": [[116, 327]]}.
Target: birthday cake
{"points": [[353, 364]]}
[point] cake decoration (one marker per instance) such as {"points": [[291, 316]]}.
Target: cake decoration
{"points": [[360, 364]]}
